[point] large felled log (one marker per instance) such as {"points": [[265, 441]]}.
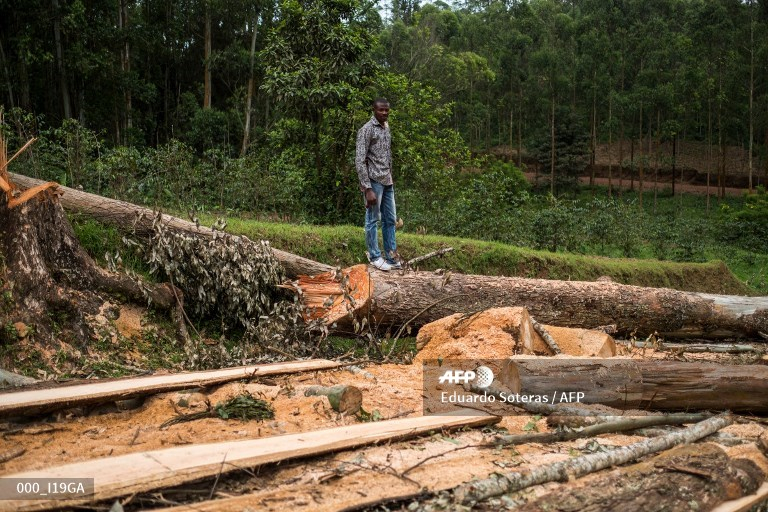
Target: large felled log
{"points": [[417, 298], [129, 217], [654, 385]]}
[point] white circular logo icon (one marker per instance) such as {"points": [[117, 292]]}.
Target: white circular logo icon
{"points": [[483, 377]]}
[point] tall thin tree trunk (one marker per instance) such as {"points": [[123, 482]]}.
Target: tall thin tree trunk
{"points": [[207, 57], [674, 163], [66, 101], [751, 87], [610, 144], [655, 159], [709, 148], [720, 141], [251, 81], [641, 168], [11, 102], [552, 153], [593, 141], [125, 65], [520, 128]]}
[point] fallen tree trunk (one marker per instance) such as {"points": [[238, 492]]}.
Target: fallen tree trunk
{"points": [[499, 484], [416, 298], [129, 217], [638, 384], [701, 474]]}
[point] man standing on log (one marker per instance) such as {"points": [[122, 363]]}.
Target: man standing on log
{"points": [[373, 160]]}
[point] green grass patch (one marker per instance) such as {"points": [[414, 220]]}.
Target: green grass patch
{"points": [[345, 246]]}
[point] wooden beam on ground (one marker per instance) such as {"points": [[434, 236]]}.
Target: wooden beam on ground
{"points": [[146, 471], [35, 401], [129, 217], [652, 384]]}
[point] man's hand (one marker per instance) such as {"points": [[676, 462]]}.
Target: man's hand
{"points": [[370, 198]]}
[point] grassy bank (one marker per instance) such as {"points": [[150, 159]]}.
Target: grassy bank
{"points": [[345, 246]]}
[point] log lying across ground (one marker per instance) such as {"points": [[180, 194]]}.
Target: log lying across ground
{"points": [[701, 473], [128, 217], [35, 401], [502, 483], [416, 298], [644, 384], [144, 471]]}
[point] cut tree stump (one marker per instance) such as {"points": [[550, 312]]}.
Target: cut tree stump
{"points": [[46, 273], [700, 473], [145, 471], [637, 384], [343, 399], [35, 401], [130, 218]]}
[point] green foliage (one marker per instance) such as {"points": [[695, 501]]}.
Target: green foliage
{"points": [[747, 227], [571, 150], [231, 279]]}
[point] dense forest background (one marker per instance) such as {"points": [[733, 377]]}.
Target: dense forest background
{"points": [[253, 105]]}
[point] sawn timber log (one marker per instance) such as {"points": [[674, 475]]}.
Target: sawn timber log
{"points": [[413, 299], [400, 299], [657, 385], [129, 217]]}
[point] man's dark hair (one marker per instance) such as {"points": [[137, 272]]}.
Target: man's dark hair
{"points": [[380, 101]]}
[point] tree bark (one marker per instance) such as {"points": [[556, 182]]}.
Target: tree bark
{"points": [[47, 273], [344, 399], [129, 217], [422, 297], [207, 59], [9, 84], [66, 102], [659, 385], [561, 471], [702, 474], [249, 93]]}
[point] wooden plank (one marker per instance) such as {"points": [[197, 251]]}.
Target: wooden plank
{"points": [[145, 471], [34, 401]]}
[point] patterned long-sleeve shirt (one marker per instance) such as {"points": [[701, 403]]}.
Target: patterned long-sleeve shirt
{"points": [[373, 154]]}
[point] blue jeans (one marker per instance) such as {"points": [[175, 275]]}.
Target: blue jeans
{"points": [[384, 211]]}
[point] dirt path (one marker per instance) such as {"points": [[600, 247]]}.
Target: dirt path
{"points": [[663, 187]]}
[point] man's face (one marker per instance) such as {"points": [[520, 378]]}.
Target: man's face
{"points": [[381, 112]]}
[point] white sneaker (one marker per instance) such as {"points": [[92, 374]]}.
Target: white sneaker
{"points": [[395, 265], [381, 264]]}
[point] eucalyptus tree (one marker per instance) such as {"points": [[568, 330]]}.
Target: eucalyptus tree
{"points": [[317, 59]]}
